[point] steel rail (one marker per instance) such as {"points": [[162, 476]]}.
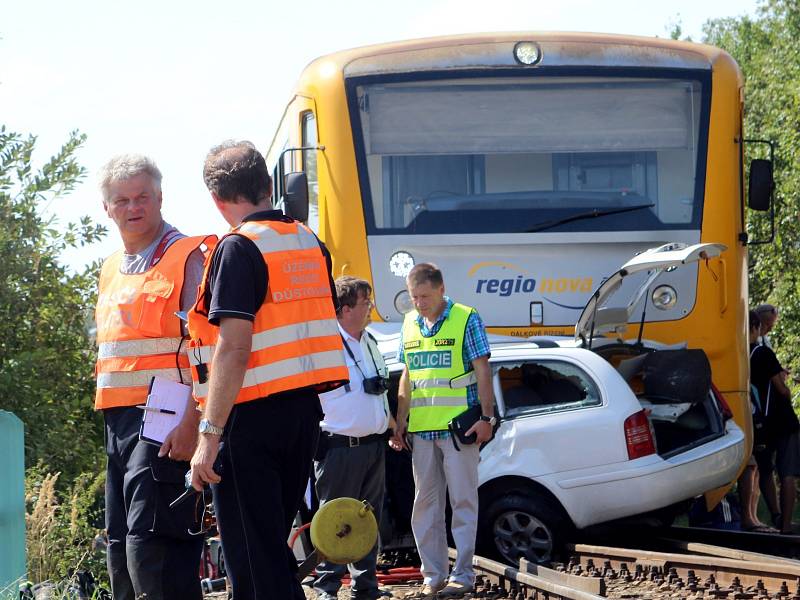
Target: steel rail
{"points": [[492, 577], [710, 572], [767, 543]]}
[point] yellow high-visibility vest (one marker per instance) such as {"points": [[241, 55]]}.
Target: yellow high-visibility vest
{"points": [[436, 369]]}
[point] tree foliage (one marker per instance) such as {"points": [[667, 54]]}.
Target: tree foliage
{"points": [[46, 354], [767, 51]]}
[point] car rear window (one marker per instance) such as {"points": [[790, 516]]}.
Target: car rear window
{"points": [[543, 386]]}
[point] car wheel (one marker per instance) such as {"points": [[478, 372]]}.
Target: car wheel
{"points": [[525, 526]]}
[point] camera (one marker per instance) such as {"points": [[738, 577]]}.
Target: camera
{"points": [[376, 385]]}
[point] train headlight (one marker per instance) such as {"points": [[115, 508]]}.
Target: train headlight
{"points": [[665, 297], [403, 303], [401, 263], [527, 53]]}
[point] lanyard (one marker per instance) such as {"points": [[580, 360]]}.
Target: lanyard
{"points": [[169, 236], [369, 349]]}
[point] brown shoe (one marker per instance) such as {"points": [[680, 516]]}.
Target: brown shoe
{"points": [[426, 592], [455, 589]]}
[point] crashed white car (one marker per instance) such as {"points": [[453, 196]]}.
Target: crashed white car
{"points": [[593, 428]]}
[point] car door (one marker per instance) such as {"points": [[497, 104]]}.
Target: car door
{"points": [[555, 417]]}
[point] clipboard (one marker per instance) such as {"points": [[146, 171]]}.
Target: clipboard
{"points": [[168, 395]]}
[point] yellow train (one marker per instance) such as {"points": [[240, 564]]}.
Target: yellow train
{"points": [[529, 166]]}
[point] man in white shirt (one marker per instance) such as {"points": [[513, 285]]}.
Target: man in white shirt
{"points": [[350, 458]]}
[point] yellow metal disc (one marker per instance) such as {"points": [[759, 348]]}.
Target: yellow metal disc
{"points": [[344, 530]]}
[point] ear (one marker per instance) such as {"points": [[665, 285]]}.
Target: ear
{"points": [[217, 200], [105, 208]]}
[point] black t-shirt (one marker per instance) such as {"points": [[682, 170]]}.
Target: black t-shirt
{"points": [[238, 277], [764, 365]]}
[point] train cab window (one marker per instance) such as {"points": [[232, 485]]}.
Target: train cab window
{"points": [[309, 125], [545, 386]]}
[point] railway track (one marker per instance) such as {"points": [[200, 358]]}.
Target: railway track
{"points": [[787, 546], [716, 573], [697, 571]]}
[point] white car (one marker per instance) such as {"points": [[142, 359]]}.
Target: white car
{"points": [[584, 438]]}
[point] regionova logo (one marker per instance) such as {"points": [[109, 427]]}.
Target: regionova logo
{"points": [[521, 281]]}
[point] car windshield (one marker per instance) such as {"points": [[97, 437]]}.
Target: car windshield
{"points": [[486, 155]]}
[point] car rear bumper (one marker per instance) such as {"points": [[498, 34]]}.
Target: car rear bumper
{"points": [[648, 483]]}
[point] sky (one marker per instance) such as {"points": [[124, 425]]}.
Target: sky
{"points": [[172, 78]]}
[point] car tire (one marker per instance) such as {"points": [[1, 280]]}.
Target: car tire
{"points": [[522, 525]]}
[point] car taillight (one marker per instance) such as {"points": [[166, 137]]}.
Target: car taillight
{"points": [[724, 407], [639, 436]]}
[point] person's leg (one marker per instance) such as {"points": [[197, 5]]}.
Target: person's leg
{"points": [[116, 524], [787, 461], [427, 517], [249, 504], [748, 496], [339, 475], [461, 471], [296, 459], [163, 557], [232, 523], [266, 461], [766, 480], [755, 495], [362, 572], [788, 497]]}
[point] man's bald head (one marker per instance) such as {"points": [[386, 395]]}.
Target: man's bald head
{"points": [[235, 171]]}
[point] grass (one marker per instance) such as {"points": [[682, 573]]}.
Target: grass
{"points": [[60, 531]]}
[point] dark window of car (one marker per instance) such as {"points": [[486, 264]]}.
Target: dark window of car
{"points": [[535, 387]]}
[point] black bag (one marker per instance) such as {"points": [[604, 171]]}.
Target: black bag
{"points": [[676, 376], [458, 426]]}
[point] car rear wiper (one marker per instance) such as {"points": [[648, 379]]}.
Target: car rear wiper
{"points": [[591, 214]]}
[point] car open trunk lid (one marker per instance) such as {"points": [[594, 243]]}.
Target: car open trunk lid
{"points": [[598, 318]]}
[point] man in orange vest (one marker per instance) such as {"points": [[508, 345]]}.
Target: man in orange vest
{"points": [[151, 552], [264, 343]]}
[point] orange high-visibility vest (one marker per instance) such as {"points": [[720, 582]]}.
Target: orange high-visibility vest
{"points": [[296, 341], [138, 334]]}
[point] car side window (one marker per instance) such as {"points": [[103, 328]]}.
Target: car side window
{"points": [[544, 386]]}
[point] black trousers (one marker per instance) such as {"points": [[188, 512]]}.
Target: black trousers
{"points": [[265, 461], [150, 552]]}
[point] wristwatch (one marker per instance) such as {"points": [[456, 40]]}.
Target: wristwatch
{"points": [[490, 420], [206, 427]]}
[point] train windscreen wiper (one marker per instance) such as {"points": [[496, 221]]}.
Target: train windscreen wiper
{"points": [[590, 214]]}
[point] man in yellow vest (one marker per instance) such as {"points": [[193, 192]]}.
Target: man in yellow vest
{"points": [[446, 355], [150, 550], [264, 343]]}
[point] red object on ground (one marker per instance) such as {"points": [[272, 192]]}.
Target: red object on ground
{"points": [[393, 576]]}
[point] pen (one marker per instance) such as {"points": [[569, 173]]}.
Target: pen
{"points": [[164, 411]]}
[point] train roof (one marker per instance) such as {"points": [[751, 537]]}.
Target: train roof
{"points": [[482, 50]]}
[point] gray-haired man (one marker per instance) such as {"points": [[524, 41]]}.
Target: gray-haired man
{"points": [[156, 273]]}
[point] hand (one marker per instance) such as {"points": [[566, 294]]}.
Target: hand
{"points": [[203, 462], [482, 431], [181, 441], [398, 440]]}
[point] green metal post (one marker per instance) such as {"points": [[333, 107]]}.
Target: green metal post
{"points": [[12, 504]]}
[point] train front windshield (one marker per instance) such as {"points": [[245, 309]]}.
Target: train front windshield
{"points": [[516, 155]]}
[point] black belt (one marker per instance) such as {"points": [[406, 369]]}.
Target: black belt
{"points": [[334, 440]]}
